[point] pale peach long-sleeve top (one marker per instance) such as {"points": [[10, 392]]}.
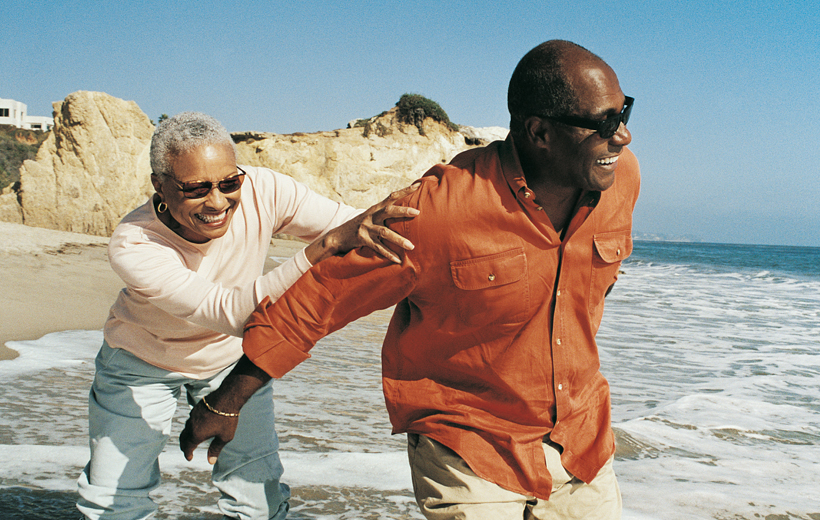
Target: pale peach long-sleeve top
{"points": [[184, 304]]}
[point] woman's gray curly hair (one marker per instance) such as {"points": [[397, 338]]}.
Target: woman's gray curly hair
{"points": [[182, 133]]}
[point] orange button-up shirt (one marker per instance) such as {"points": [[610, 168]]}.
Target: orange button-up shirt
{"points": [[491, 347]]}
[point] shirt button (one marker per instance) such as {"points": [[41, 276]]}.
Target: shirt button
{"points": [[558, 341], [560, 387], [491, 277], [558, 293], [539, 208], [618, 252], [527, 195]]}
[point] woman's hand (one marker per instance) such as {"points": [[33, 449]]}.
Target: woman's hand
{"points": [[368, 230]]}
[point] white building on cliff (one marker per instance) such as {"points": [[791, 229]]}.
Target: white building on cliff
{"points": [[14, 113]]}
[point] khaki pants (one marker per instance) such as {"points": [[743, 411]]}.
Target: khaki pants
{"points": [[447, 489]]}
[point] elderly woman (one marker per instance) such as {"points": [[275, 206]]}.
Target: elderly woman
{"points": [[191, 259]]}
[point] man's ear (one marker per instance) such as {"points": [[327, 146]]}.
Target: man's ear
{"points": [[538, 131]]}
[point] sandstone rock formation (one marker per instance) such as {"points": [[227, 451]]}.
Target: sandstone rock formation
{"points": [[10, 209], [94, 167], [360, 165]]}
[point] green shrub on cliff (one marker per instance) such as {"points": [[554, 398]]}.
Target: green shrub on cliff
{"points": [[17, 145], [414, 108]]}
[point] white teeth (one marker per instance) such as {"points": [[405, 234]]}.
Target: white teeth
{"points": [[608, 161], [210, 219]]}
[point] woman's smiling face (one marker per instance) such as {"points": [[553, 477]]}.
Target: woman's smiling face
{"points": [[206, 218]]}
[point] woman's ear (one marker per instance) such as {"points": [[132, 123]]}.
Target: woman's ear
{"points": [[156, 183]]}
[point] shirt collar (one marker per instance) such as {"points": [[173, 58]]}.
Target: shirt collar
{"points": [[514, 174], [511, 165]]}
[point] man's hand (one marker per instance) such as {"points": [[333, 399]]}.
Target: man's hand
{"points": [[239, 386], [204, 424]]}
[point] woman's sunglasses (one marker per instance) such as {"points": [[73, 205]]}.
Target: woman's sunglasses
{"points": [[198, 190], [605, 128]]}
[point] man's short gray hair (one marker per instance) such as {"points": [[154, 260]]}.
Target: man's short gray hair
{"points": [[182, 133]]}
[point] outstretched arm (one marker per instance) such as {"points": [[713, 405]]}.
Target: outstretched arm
{"points": [[280, 334]]}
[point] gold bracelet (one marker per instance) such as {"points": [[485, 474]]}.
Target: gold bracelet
{"points": [[217, 412]]}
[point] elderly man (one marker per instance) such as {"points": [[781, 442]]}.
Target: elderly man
{"points": [[490, 363]]}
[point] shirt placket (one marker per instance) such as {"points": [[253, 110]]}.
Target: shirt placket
{"points": [[566, 298], [540, 221]]}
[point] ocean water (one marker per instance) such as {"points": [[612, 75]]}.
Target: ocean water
{"points": [[712, 353]]}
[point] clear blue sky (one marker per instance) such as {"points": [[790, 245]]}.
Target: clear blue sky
{"points": [[727, 93]]}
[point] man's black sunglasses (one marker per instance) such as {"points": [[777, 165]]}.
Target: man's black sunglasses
{"points": [[197, 190], [605, 128]]}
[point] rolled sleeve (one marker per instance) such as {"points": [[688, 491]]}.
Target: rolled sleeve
{"points": [[337, 291]]}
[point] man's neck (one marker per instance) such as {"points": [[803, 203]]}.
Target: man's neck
{"points": [[557, 199], [558, 204]]}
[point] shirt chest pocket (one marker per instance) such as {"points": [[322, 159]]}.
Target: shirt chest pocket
{"points": [[492, 289], [609, 250]]}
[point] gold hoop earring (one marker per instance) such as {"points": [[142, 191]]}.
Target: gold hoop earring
{"points": [[162, 207]]}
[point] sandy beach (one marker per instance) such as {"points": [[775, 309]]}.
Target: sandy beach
{"points": [[56, 281]]}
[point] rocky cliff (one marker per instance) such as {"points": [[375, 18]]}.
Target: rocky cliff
{"points": [[361, 165], [94, 167], [90, 171]]}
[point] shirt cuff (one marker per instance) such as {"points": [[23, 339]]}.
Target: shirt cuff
{"points": [[278, 280], [301, 261]]}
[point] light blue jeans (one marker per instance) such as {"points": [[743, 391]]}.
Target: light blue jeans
{"points": [[130, 408]]}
